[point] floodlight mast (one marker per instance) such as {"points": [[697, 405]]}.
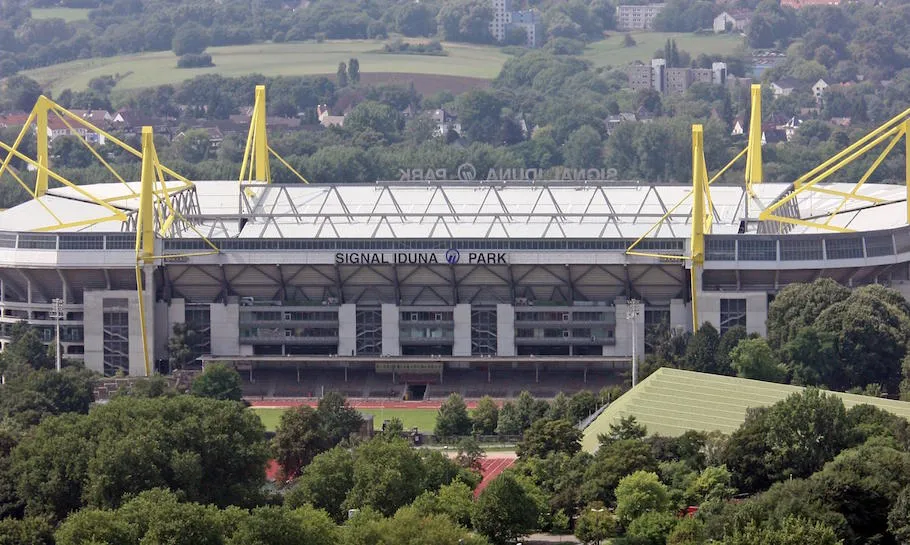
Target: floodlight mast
{"points": [[632, 313]]}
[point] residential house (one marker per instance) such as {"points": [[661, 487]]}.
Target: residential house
{"points": [[673, 80], [772, 134], [735, 20], [784, 87], [326, 119], [445, 122], [818, 90], [613, 121], [13, 120], [98, 118], [790, 127], [841, 121], [130, 121], [637, 17], [639, 76], [739, 126], [796, 4]]}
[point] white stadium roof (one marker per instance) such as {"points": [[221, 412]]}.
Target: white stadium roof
{"points": [[447, 210]]}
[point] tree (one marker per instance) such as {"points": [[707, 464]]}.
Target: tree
{"points": [[712, 484], [702, 349], [180, 345], [899, 517], [530, 409], [509, 422], [325, 483], [479, 112], [640, 493], [339, 420], [341, 75], [455, 500], [190, 39], [387, 475], [354, 71], [612, 462], [583, 149], [29, 397], [298, 439], [159, 516], [797, 306], [504, 511], [793, 531], [452, 419], [22, 93], [211, 451], [485, 416], [470, 454], [281, 526], [582, 405], [26, 350], [595, 524], [27, 531], [725, 346], [218, 381], [409, 525], [370, 115], [753, 359], [811, 357], [547, 437], [628, 40]]}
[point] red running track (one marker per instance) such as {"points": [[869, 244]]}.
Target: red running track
{"points": [[491, 468], [369, 404]]}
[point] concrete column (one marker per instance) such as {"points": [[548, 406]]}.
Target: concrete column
{"points": [[757, 313], [93, 330], [462, 317], [391, 336], [505, 330], [166, 316], [149, 306], [680, 315], [347, 330], [225, 329]]}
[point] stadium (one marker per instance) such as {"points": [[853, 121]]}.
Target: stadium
{"points": [[419, 288]]}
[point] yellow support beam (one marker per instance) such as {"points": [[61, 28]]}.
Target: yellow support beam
{"points": [[754, 174], [146, 223], [260, 139], [43, 153], [697, 242]]}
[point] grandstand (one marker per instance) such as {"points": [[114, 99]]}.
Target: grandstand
{"points": [[671, 402], [423, 287]]}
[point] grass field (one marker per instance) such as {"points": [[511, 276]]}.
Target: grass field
{"points": [[287, 59], [423, 419], [299, 59], [611, 52], [67, 14]]}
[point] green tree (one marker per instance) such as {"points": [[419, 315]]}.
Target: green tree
{"points": [[793, 531], [702, 349], [582, 405], [612, 462], [754, 359], [899, 517], [218, 381], [341, 75], [298, 439], [325, 483], [387, 475], [640, 493], [797, 306], [725, 346], [509, 422], [454, 500], [282, 526], [21, 93], [485, 416], [408, 525], [530, 409], [712, 484], [96, 526], [595, 524], [28, 397], [354, 71], [373, 116], [652, 527], [452, 419], [479, 112], [190, 39], [470, 454], [811, 357], [339, 420], [26, 350], [27, 531], [584, 148], [180, 345], [504, 511], [547, 437]]}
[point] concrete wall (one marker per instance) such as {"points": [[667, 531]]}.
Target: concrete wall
{"points": [[93, 330], [623, 346], [391, 335], [505, 330], [347, 330], [462, 316], [680, 315], [225, 329], [93, 309], [756, 309]]}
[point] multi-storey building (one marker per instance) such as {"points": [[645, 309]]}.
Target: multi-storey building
{"points": [[637, 17]]}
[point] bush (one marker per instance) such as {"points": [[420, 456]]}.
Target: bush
{"points": [[202, 60]]}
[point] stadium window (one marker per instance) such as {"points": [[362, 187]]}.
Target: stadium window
{"points": [[732, 314]]}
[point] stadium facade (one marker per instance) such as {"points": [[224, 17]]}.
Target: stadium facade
{"points": [[400, 272], [420, 277]]}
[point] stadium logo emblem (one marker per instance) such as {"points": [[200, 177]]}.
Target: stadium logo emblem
{"points": [[467, 172], [452, 256]]}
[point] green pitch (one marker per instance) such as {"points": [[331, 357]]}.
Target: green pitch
{"points": [[611, 52], [423, 419], [285, 59]]}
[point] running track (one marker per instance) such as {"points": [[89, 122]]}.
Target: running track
{"points": [[366, 404], [491, 468]]}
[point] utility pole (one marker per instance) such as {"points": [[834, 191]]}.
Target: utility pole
{"points": [[57, 314], [633, 311]]}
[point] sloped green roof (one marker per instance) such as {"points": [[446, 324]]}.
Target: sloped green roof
{"points": [[672, 401]]}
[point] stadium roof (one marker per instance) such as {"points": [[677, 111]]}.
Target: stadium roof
{"points": [[449, 210], [671, 402]]}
